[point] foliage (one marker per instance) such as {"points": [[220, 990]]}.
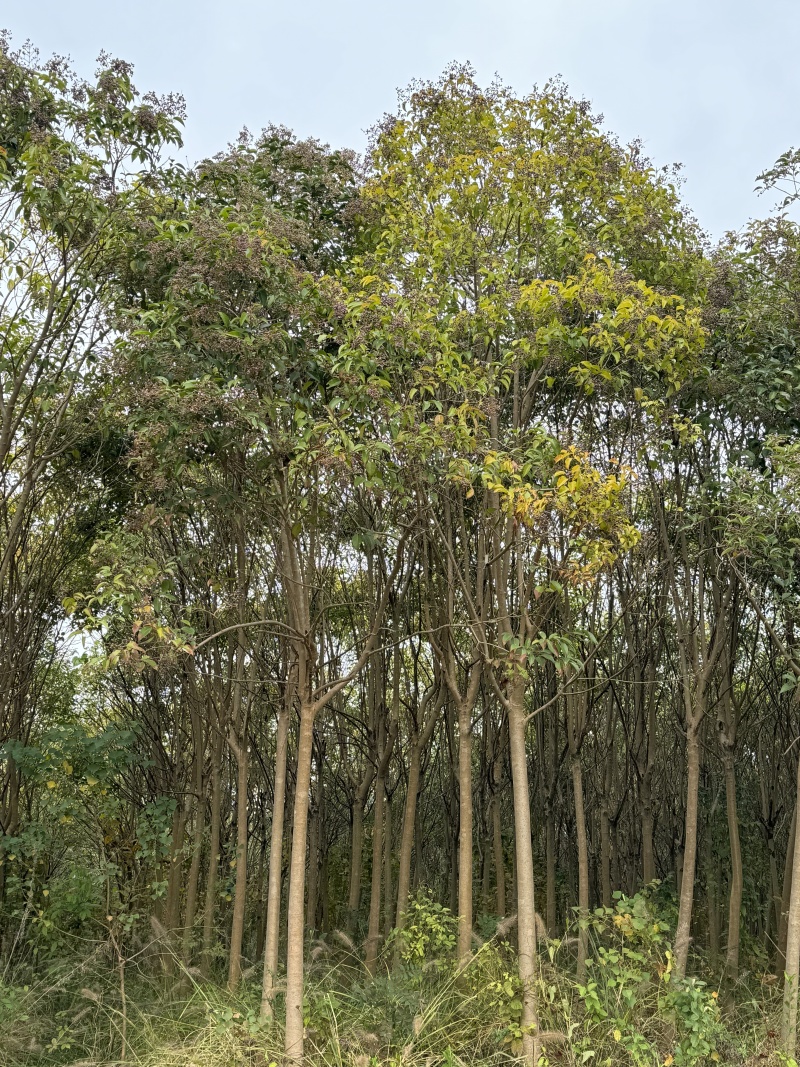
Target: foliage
{"points": [[428, 934]]}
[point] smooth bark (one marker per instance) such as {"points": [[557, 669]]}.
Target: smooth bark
{"points": [[791, 974], [526, 901], [275, 861], [293, 1041]]}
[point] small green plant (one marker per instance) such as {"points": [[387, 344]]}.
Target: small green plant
{"points": [[505, 998], [429, 933], [696, 1011], [632, 1000]]}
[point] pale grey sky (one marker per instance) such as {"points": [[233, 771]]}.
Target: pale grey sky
{"points": [[712, 84]]}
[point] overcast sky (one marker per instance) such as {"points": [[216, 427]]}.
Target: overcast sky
{"points": [[712, 84]]}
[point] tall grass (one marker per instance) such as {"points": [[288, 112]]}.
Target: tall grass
{"points": [[421, 1010]]}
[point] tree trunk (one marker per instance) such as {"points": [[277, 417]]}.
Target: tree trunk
{"points": [[464, 831], [605, 857], [324, 897], [583, 866], [735, 900], [648, 854], [486, 860], [526, 902], [209, 906], [418, 873], [410, 829], [683, 930], [550, 845], [240, 888], [313, 860], [712, 898], [792, 965], [407, 834], [293, 1044], [357, 850], [237, 739], [275, 865], [172, 904], [388, 889], [374, 927], [772, 924], [499, 860], [193, 879], [787, 889]]}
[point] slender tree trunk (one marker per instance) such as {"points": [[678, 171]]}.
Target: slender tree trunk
{"points": [[773, 922], [526, 902], [410, 829], [735, 900], [499, 860], [792, 966], [324, 899], [194, 878], [648, 854], [386, 736], [452, 867], [275, 864], [357, 851], [785, 895], [617, 863], [209, 906], [486, 858], [550, 846], [293, 1044], [583, 865], [464, 831], [237, 739], [388, 888], [512, 906], [172, 906], [374, 925], [712, 898], [313, 862], [605, 857], [200, 785], [407, 834], [316, 844], [683, 930], [418, 873], [240, 887]]}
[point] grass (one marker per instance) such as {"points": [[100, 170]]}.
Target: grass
{"points": [[420, 1010]]}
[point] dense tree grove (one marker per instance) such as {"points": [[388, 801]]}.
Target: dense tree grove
{"points": [[399, 600]]}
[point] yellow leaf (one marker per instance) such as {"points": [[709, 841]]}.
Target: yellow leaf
{"points": [[617, 1035], [51, 784], [669, 1060]]}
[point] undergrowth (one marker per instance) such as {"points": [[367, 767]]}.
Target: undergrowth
{"points": [[420, 1010]]}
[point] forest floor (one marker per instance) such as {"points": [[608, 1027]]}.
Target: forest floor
{"points": [[420, 1010]]}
